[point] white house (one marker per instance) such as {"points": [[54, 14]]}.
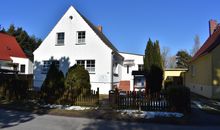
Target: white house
{"points": [[12, 57], [75, 40]]}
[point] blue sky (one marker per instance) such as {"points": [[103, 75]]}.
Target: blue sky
{"points": [[127, 23]]}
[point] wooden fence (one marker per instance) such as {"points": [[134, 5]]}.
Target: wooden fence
{"points": [[139, 100], [91, 99]]}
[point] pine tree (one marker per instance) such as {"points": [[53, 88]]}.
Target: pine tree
{"points": [[27, 43], [183, 59]]}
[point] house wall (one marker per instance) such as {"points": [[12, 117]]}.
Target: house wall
{"points": [[4, 65], [216, 72], [68, 53], [138, 59], [172, 73], [199, 79], [25, 61]]}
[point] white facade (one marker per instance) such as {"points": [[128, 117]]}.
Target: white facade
{"points": [[132, 62], [92, 47], [25, 62]]}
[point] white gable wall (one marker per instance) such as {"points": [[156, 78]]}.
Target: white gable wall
{"points": [[94, 49]]}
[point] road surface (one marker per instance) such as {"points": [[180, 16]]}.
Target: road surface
{"points": [[15, 120]]}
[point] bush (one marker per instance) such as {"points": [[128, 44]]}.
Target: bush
{"points": [[179, 98], [53, 86], [77, 83]]}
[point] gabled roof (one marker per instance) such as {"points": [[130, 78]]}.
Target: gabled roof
{"points": [[9, 47], [99, 34], [211, 43]]}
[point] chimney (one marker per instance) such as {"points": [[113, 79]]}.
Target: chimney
{"points": [[99, 27], [212, 26]]}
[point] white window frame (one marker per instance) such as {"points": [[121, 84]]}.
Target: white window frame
{"points": [[60, 42], [89, 65], [80, 39], [46, 65]]}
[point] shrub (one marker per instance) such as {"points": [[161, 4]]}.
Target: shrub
{"points": [[77, 83], [179, 98], [53, 86]]}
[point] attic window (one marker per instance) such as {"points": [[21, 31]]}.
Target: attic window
{"points": [[60, 38], [81, 37]]}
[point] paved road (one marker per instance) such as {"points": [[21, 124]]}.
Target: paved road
{"points": [[14, 120]]}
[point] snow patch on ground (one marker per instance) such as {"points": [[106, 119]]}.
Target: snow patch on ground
{"points": [[149, 114], [203, 106], [68, 107]]}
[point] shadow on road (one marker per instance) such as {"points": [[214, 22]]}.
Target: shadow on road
{"points": [[10, 118]]}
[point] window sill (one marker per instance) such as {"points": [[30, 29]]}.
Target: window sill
{"points": [[80, 43], [91, 72], [59, 44]]}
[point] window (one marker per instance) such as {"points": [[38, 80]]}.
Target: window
{"points": [[46, 65], [115, 68], [60, 38], [140, 67], [22, 68], [128, 69], [81, 37], [89, 65], [81, 62]]}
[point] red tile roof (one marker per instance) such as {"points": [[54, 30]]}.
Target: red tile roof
{"points": [[9, 47], [211, 43]]}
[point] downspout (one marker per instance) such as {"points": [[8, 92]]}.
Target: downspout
{"points": [[112, 54]]}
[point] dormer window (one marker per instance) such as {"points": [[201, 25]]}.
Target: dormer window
{"points": [[60, 38], [81, 37]]}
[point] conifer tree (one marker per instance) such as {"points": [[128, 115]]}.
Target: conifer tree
{"points": [[153, 65], [53, 86]]}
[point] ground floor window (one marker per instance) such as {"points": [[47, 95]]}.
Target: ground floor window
{"points": [[46, 65], [89, 65]]}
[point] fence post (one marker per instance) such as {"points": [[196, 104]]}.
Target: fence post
{"points": [[97, 95]]}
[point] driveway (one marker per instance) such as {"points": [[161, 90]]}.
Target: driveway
{"points": [[14, 120]]}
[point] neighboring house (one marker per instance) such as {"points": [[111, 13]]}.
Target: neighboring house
{"points": [[75, 40], [203, 76], [12, 57], [133, 63]]}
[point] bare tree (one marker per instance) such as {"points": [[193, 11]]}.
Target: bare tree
{"points": [[165, 54], [196, 45], [171, 62]]}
